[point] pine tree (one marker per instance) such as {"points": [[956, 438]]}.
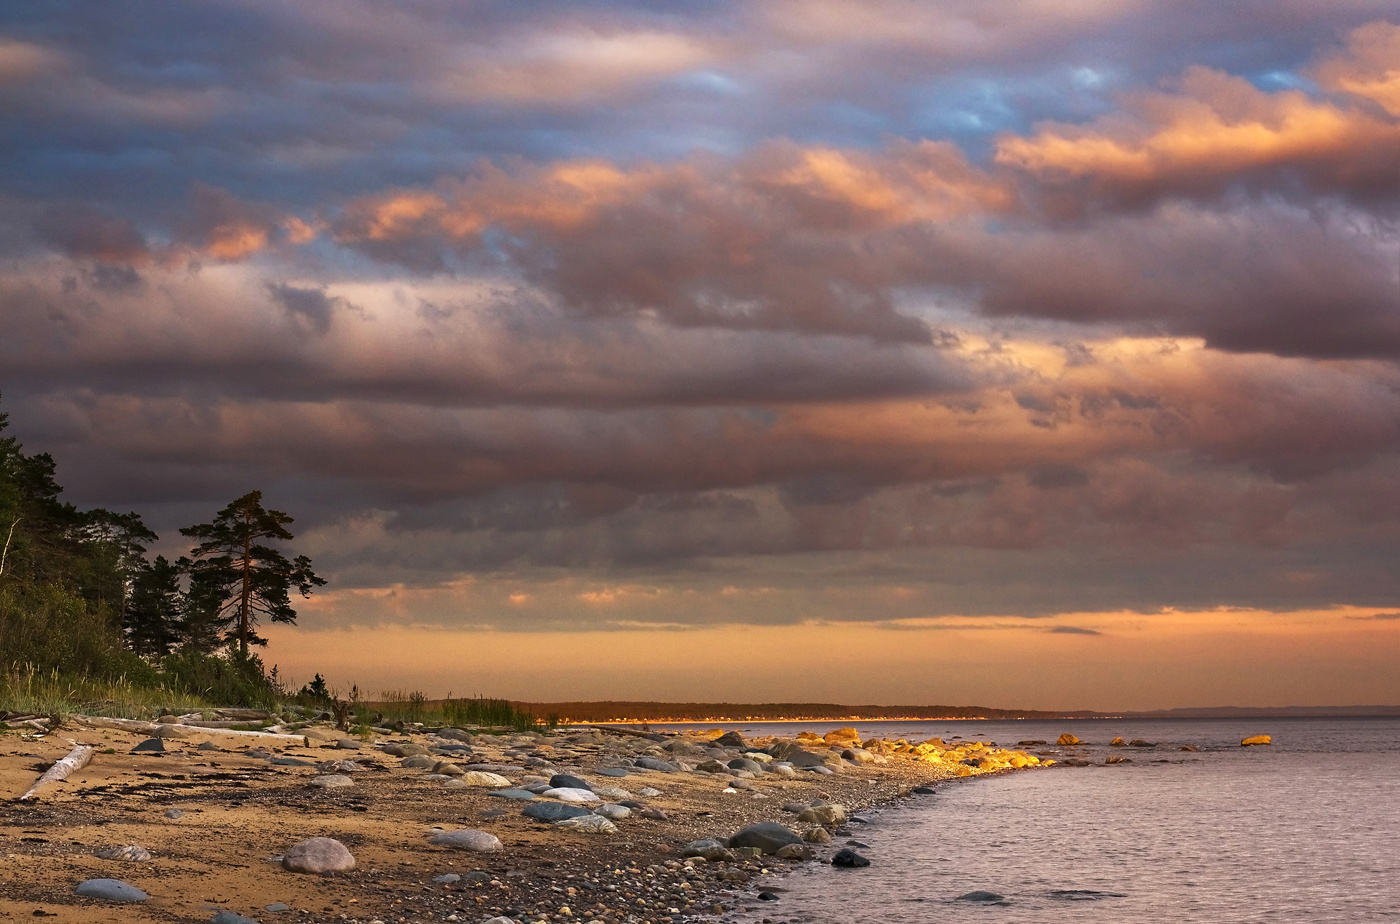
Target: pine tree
{"points": [[154, 614], [234, 576]]}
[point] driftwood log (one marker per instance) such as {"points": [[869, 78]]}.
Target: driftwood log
{"points": [[76, 760], [152, 728]]}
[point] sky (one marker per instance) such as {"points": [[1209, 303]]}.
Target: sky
{"points": [[1029, 354]]}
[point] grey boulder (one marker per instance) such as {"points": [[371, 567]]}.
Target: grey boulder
{"points": [[767, 836], [112, 890], [318, 855]]}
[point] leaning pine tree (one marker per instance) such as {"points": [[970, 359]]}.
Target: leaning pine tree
{"points": [[235, 576]]}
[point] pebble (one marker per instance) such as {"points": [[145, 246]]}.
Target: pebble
{"points": [[590, 824], [174, 813], [649, 792], [277, 907], [318, 855], [447, 878], [613, 812], [113, 890]]}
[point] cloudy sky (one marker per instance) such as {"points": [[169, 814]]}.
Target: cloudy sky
{"points": [[1039, 354]]}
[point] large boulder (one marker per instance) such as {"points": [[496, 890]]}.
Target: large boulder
{"points": [[829, 814], [318, 855], [743, 763], [711, 766], [710, 848], [767, 836], [1067, 740], [112, 890], [730, 739], [1255, 740], [846, 736]]}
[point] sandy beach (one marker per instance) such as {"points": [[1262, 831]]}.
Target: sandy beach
{"points": [[216, 812]]}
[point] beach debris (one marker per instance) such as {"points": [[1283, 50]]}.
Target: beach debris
{"points": [[318, 855], [767, 836], [849, 859], [131, 853], [467, 839], [152, 728], [589, 824], [112, 890], [1256, 740], [330, 781], [990, 898], [1067, 740], [76, 760]]}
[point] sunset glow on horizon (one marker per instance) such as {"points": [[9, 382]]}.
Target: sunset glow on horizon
{"points": [[1024, 355]]}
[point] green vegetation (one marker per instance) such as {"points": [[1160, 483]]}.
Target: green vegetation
{"points": [[475, 712], [87, 623]]}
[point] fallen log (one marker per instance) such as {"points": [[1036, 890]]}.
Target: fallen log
{"points": [[76, 760], [152, 728]]}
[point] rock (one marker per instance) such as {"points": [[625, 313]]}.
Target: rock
{"points": [[348, 744], [330, 781], [848, 858], [842, 736], [1256, 740], [612, 793], [1118, 760], [858, 756], [173, 813], [829, 814], [981, 896], [172, 731], [711, 766], [816, 835], [612, 771], [499, 919], [1075, 762], [208, 746], [784, 770], [1067, 740], [822, 770], [277, 907], [523, 795], [1189, 747], [744, 764], [456, 734], [565, 781], [1029, 743], [655, 814], [538, 787], [448, 768], [447, 878], [289, 762], [711, 848], [589, 824], [793, 808], [767, 836], [767, 897], [483, 778], [467, 839], [657, 764], [230, 917], [1118, 743], [318, 855], [406, 749], [149, 746], [924, 791], [1141, 743], [418, 762], [553, 811], [649, 793], [795, 851], [112, 890], [613, 812], [477, 878], [730, 739], [569, 794], [130, 853], [738, 783]]}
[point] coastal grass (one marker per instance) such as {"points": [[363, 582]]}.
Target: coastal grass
{"points": [[26, 689], [413, 706]]}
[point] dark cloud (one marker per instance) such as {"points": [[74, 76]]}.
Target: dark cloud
{"points": [[1072, 630]]}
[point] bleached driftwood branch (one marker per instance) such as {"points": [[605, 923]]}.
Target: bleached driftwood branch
{"points": [[152, 728], [76, 760]]}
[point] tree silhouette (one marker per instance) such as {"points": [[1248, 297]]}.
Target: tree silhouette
{"points": [[234, 577], [153, 614]]}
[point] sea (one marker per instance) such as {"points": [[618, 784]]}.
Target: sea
{"points": [[1304, 829]]}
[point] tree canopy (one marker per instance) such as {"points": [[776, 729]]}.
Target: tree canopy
{"points": [[235, 577]]}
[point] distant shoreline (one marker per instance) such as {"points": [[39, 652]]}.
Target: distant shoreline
{"points": [[658, 713]]}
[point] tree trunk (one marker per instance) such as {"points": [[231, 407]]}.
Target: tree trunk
{"points": [[243, 601]]}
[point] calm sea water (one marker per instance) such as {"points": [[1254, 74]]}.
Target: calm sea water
{"points": [[1307, 829]]}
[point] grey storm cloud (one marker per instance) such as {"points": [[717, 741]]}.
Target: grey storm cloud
{"points": [[1025, 307]]}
